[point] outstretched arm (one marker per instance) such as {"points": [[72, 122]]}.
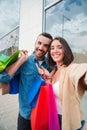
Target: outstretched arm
{"points": [[85, 79]]}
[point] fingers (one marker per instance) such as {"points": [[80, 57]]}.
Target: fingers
{"points": [[45, 71], [23, 55], [40, 70], [85, 79], [25, 51]]}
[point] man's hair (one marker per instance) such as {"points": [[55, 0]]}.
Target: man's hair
{"points": [[45, 34]]}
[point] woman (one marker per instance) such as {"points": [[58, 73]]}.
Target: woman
{"points": [[69, 82]]}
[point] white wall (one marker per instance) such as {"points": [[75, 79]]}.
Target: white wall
{"points": [[30, 23]]}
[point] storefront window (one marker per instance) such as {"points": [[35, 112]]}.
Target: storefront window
{"points": [[9, 26], [47, 2], [68, 18]]}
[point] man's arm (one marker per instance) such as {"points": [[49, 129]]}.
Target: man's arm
{"points": [[16, 65]]}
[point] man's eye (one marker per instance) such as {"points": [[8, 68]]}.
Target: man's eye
{"points": [[46, 46], [39, 43]]}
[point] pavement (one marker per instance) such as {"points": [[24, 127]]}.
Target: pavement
{"points": [[8, 112]]}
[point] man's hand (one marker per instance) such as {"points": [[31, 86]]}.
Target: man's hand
{"points": [[23, 56], [16, 65]]}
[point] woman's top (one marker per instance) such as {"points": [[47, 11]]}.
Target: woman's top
{"points": [[71, 93], [57, 98]]}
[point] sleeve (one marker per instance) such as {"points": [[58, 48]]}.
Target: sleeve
{"points": [[5, 77], [77, 72]]}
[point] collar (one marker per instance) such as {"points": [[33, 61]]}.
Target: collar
{"points": [[36, 60]]}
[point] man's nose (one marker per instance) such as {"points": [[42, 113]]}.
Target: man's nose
{"points": [[41, 47]]}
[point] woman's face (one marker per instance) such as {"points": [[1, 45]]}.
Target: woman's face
{"points": [[57, 52]]}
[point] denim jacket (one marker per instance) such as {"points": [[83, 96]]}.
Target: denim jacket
{"points": [[28, 74]]}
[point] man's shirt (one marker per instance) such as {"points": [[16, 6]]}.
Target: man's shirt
{"points": [[28, 74]]}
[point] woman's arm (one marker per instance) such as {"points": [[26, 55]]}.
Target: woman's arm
{"points": [[85, 79]]}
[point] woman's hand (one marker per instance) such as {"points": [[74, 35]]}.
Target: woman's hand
{"points": [[85, 79], [43, 72]]}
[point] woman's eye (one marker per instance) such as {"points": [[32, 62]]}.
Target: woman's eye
{"points": [[60, 47], [51, 48]]}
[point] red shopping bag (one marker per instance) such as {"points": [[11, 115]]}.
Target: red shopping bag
{"points": [[39, 115], [45, 116]]}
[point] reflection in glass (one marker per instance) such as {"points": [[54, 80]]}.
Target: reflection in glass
{"points": [[9, 29], [47, 2], [9, 15], [69, 20]]}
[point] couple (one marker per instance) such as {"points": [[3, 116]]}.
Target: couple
{"points": [[69, 80]]}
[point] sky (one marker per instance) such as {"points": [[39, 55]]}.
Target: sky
{"points": [[9, 15]]}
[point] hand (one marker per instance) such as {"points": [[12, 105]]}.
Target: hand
{"points": [[15, 66], [85, 79], [43, 72], [23, 55], [40, 70]]}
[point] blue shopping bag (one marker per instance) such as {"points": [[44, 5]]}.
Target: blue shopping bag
{"points": [[14, 85], [34, 91]]}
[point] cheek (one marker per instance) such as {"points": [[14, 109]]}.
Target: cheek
{"points": [[36, 47], [62, 56], [45, 49], [62, 52]]}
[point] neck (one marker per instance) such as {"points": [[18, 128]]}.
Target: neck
{"points": [[59, 65]]}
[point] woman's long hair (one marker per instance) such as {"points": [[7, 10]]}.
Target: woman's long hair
{"points": [[68, 55]]}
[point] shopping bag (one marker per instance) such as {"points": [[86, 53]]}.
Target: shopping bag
{"points": [[39, 114], [52, 111], [11, 87], [4, 88], [34, 91], [7, 60], [14, 85], [45, 116]]}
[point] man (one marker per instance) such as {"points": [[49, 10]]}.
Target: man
{"points": [[26, 67]]}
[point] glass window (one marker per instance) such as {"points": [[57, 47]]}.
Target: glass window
{"points": [[9, 25], [47, 2], [68, 19]]}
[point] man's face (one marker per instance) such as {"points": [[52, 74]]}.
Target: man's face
{"points": [[41, 46]]}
